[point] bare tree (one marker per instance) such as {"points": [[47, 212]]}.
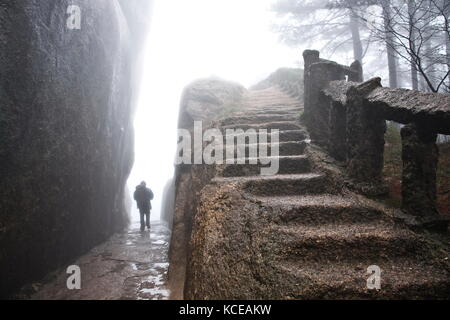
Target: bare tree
{"points": [[390, 43], [415, 33], [333, 23], [445, 13], [413, 29], [412, 32], [358, 52]]}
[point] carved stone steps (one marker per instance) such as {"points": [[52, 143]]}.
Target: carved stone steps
{"points": [[274, 109], [275, 94], [280, 125], [265, 111], [288, 165], [400, 279], [290, 148], [331, 243], [291, 236], [256, 119], [284, 136], [321, 209], [291, 184], [272, 101]]}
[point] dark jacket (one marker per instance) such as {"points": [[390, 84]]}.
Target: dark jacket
{"points": [[143, 195]]}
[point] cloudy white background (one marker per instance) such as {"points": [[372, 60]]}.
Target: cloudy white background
{"points": [[192, 39]]}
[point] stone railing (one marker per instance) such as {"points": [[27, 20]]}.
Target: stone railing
{"points": [[348, 118]]}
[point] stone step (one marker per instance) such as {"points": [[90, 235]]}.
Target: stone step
{"points": [[400, 279], [277, 111], [253, 150], [270, 96], [288, 165], [284, 136], [321, 209], [257, 119], [271, 102], [281, 109], [292, 184], [269, 92], [294, 135], [341, 242], [280, 125]]}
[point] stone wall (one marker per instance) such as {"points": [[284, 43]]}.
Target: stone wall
{"points": [[348, 119], [318, 75], [66, 150], [204, 100]]}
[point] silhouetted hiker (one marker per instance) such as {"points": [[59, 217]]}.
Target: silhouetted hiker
{"points": [[143, 195]]}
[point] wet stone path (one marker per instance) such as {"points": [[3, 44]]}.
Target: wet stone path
{"points": [[130, 265]]}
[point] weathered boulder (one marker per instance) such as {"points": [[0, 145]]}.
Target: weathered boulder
{"points": [[205, 100], [168, 202], [66, 130], [230, 233], [208, 100]]}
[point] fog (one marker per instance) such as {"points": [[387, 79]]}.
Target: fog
{"points": [[188, 40], [237, 40]]}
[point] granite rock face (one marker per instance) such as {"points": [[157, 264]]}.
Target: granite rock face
{"points": [[205, 100], [168, 202], [66, 106]]}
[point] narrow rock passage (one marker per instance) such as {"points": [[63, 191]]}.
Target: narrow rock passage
{"points": [[130, 265]]}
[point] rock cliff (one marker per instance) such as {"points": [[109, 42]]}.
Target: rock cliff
{"points": [[205, 100], [66, 149], [168, 202]]}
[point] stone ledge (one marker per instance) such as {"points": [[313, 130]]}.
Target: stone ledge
{"points": [[406, 106]]}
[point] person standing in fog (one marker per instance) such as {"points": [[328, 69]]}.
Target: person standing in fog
{"points": [[143, 197]]}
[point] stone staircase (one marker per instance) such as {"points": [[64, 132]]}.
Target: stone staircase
{"points": [[321, 238]]}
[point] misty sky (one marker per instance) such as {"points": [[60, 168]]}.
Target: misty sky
{"points": [[189, 40]]}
